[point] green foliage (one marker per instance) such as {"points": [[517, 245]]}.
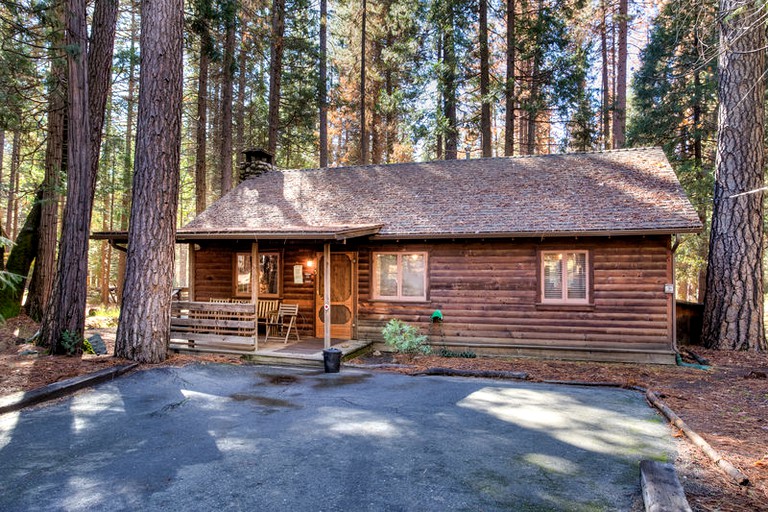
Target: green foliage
{"points": [[405, 338], [87, 347], [465, 354], [675, 107], [72, 343]]}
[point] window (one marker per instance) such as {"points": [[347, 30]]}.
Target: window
{"points": [[565, 277], [400, 276], [269, 274]]}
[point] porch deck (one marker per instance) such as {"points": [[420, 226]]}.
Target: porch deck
{"points": [[233, 328], [307, 352]]}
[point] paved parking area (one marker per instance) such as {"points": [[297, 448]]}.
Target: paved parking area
{"points": [[218, 437]]}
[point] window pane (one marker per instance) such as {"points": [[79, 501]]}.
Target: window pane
{"points": [[385, 274], [269, 274], [553, 276], [243, 285], [577, 275], [413, 275]]}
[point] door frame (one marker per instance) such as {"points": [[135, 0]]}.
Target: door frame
{"points": [[318, 292]]}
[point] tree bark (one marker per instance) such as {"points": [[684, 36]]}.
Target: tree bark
{"points": [[509, 86], [323, 84], [449, 88], [227, 85], [275, 72], [41, 285], [202, 131], [88, 67], [485, 82], [242, 63], [20, 260], [606, 100], [733, 305], [127, 177], [620, 109], [363, 132], [66, 310], [144, 327], [10, 212]]}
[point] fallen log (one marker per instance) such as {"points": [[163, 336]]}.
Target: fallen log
{"points": [[696, 439], [483, 374]]}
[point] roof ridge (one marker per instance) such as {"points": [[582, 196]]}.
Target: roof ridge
{"points": [[458, 160]]}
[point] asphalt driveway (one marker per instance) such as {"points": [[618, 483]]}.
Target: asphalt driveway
{"points": [[218, 437]]}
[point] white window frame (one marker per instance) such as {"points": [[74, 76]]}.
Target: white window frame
{"points": [[399, 297], [564, 276], [238, 293]]}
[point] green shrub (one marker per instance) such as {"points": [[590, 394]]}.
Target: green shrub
{"points": [[466, 354], [70, 341], [405, 338]]}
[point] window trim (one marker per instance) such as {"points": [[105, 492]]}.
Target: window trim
{"points": [[375, 295], [238, 293], [564, 300]]}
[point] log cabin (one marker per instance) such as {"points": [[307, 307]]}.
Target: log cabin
{"points": [[567, 256]]}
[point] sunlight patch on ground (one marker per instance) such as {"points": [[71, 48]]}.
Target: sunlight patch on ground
{"points": [[552, 463], [8, 423], [85, 407], [83, 494], [203, 400], [564, 418], [345, 422]]}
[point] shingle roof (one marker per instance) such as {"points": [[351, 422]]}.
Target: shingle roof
{"points": [[616, 192]]}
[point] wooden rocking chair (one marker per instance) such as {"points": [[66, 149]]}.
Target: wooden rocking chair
{"points": [[284, 319]]}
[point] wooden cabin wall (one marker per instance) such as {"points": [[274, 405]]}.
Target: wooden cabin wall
{"points": [[214, 275], [487, 292], [213, 272]]}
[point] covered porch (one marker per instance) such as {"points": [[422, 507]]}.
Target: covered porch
{"points": [[242, 328]]}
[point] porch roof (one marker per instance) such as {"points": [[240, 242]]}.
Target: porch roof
{"points": [[607, 193]]}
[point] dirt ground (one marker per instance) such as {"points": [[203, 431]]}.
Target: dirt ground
{"points": [[727, 405]]}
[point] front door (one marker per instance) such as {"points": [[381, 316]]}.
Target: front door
{"points": [[343, 292]]}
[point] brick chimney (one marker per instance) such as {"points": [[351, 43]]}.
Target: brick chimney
{"points": [[257, 162]]}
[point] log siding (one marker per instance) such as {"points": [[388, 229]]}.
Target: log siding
{"points": [[489, 292]]}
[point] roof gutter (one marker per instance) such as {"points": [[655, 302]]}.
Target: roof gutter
{"points": [[540, 234]]}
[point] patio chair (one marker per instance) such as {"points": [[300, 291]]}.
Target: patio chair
{"points": [[284, 319]]}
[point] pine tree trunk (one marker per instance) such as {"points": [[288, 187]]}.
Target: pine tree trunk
{"points": [[227, 84], [127, 175], [606, 99], [509, 86], [323, 85], [449, 90], [240, 103], [10, 211], [363, 131], [66, 311], [620, 109], [275, 72], [733, 305], [20, 260], [144, 327], [202, 131], [41, 285], [485, 100]]}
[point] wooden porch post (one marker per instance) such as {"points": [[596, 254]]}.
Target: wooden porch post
{"points": [[191, 274], [327, 295], [255, 292]]}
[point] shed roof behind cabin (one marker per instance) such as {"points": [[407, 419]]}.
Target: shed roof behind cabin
{"points": [[613, 192]]}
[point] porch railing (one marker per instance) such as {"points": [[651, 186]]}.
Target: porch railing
{"points": [[220, 326]]}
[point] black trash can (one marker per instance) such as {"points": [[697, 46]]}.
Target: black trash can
{"points": [[332, 360]]}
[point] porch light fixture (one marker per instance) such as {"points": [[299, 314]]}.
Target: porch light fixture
{"points": [[310, 264]]}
